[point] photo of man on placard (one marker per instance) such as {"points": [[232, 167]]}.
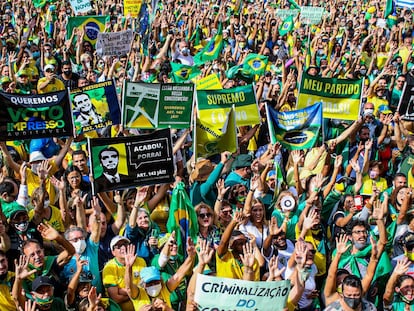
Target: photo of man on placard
{"points": [[109, 160], [85, 110]]}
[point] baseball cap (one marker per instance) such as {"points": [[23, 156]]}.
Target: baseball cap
{"points": [[41, 281], [49, 66], [36, 156], [117, 239], [384, 109], [149, 274]]}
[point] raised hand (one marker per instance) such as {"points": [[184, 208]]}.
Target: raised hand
{"points": [[402, 266], [368, 144], [341, 244], [191, 251], [300, 253], [59, 184], [141, 196], [274, 271], [48, 232], [338, 161], [273, 227], [296, 156], [130, 255], [93, 298], [43, 169], [355, 165], [247, 257], [21, 271], [310, 220], [205, 253], [95, 205], [221, 189]]}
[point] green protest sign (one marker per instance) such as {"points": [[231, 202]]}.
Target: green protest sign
{"points": [[214, 105]]}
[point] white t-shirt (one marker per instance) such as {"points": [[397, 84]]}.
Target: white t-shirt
{"points": [[310, 285]]}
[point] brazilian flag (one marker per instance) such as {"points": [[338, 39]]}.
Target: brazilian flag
{"points": [[182, 219], [255, 63], [39, 3], [93, 24], [212, 50], [183, 73], [286, 26]]}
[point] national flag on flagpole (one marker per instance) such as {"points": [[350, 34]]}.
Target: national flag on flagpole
{"points": [[182, 218], [286, 26], [183, 73], [213, 48], [255, 63]]}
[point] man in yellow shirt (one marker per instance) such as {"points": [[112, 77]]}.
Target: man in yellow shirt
{"points": [[6, 276], [49, 83], [113, 274]]}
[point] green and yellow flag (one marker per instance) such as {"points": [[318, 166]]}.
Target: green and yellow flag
{"points": [[183, 73], [93, 24], [182, 219], [214, 139], [255, 63], [213, 48], [287, 26]]}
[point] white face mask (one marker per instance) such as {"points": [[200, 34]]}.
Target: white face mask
{"points": [[22, 226], [154, 290], [46, 204], [80, 246]]}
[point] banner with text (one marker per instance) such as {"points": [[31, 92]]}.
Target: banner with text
{"points": [[132, 7], [125, 162], [95, 106], [297, 129], [284, 13], [35, 116], [114, 43], [406, 105], [214, 293], [311, 15], [340, 97], [210, 82], [150, 106], [80, 6], [214, 105]]}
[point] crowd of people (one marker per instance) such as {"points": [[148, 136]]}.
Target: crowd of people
{"points": [[336, 220]]}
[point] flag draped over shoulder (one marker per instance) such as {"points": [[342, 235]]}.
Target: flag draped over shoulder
{"points": [[213, 48], [297, 129], [182, 73], [286, 26], [182, 218], [211, 140], [255, 63]]}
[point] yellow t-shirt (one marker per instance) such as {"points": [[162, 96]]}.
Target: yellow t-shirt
{"points": [[54, 86], [55, 219], [229, 267], [113, 273], [367, 184], [143, 298], [6, 300], [33, 182]]}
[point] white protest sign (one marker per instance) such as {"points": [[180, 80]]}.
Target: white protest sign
{"points": [[80, 6], [114, 43], [381, 23], [237, 295], [311, 15], [283, 13]]}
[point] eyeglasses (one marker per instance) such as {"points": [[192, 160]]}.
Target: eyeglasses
{"points": [[74, 240], [208, 215], [360, 232], [312, 251], [120, 245], [229, 212]]}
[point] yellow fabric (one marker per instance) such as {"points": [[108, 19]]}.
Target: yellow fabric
{"points": [[31, 69], [113, 273], [143, 298], [160, 214], [55, 219], [54, 86], [319, 259], [228, 267], [310, 157], [410, 178], [404, 53], [33, 182], [377, 102], [367, 183], [6, 300]]}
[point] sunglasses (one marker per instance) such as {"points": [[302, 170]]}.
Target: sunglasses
{"points": [[208, 215], [227, 212]]}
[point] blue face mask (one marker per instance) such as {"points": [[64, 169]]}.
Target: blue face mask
{"points": [[36, 55]]}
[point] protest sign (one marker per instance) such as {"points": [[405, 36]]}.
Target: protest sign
{"points": [[132, 7], [210, 82], [95, 106], [114, 43], [297, 129], [80, 6], [35, 116], [214, 105], [214, 293], [93, 25], [210, 140], [340, 97], [150, 106], [284, 13], [125, 162], [406, 104], [311, 15], [175, 105]]}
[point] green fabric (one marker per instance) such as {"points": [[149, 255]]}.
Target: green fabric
{"points": [[183, 73], [205, 191], [182, 218], [213, 48]]}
